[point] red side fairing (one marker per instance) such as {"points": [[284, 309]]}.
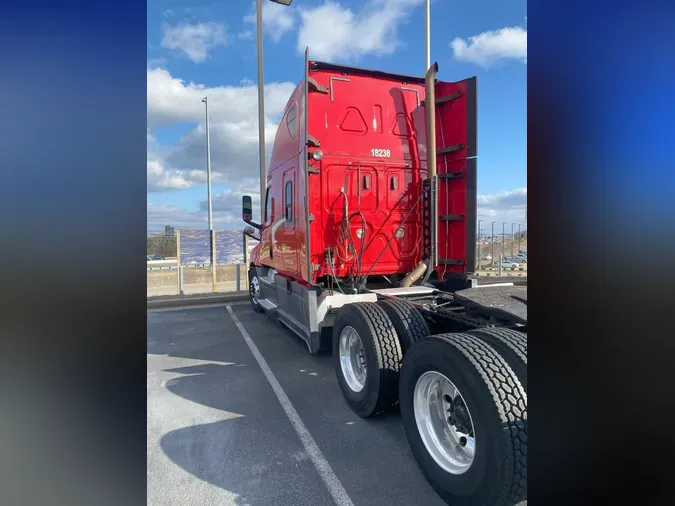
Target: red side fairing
{"points": [[456, 168], [283, 217]]}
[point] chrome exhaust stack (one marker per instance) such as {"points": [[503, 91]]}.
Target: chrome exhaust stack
{"points": [[430, 105]]}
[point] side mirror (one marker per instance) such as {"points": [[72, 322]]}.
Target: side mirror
{"points": [[250, 231], [247, 211], [246, 208]]}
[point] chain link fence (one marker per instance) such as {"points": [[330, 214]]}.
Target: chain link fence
{"points": [[505, 241]]}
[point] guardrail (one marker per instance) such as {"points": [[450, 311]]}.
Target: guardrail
{"points": [[156, 263], [188, 266]]}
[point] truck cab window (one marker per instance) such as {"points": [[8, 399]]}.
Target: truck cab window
{"points": [[268, 205], [288, 201], [291, 121]]}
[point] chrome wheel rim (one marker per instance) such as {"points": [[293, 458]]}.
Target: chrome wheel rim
{"points": [[352, 359], [444, 422], [255, 290]]}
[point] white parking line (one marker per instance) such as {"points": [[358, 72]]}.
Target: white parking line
{"points": [[320, 463]]}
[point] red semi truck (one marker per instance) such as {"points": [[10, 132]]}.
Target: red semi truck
{"points": [[367, 245]]}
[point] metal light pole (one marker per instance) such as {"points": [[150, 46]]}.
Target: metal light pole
{"points": [[513, 240], [261, 106], [208, 163], [520, 238], [479, 257], [503, 236], [493, 243], [427, 35], [212, 233], [261, 98]]}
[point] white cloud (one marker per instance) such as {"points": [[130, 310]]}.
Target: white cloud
{"points": [[228, 202], [334, 32], [159, 215], [233, 114], [505, 199], [160, 179], [226, 210], [508, 206], [245, 35], [156, 62], [488, 47], [194, 40], [234, 149], [172, 100], [277, 20]]}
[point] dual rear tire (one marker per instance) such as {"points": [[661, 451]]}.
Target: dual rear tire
{"points": [[511, 345], [455, 386], [367, 358], [408, 322], [463, 397]]}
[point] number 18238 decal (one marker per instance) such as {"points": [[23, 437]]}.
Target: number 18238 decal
{"points": [[381, 153]]}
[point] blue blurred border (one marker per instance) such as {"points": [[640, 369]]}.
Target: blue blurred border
{"points": [[600, 177], [73, 199], [601, 158]]}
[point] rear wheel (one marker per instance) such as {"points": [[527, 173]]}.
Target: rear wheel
{"points": [[408, 321], [254, 290], [465, 415], [367, 358], [511, 345]]}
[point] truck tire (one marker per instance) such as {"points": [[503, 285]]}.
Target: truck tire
{"points": [[465, 416], [367, 358], [408, 321], [254, 290], [511, 345]]}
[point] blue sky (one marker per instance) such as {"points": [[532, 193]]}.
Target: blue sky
{"points": [[202, 48]]}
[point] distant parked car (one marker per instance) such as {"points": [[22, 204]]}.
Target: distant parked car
{"points": [[487, 257], [508, 264], [156, 257]]}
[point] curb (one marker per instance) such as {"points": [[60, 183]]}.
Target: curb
{"points": [[503, 279], [198, 301]]}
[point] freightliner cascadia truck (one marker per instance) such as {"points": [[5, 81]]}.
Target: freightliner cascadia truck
{"points": [[367, 245]]}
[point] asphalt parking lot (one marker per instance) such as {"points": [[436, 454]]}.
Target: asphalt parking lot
{"points": [[219, 434]]}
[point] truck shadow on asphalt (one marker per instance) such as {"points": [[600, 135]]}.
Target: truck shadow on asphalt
{"points": [[252, 452], [252, 449]]}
